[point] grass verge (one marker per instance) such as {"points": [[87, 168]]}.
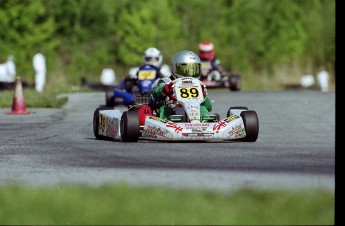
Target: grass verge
{"points": [[121, 204], [32, 98]]}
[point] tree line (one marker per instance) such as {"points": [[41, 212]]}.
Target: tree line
{"points": [[82, 36]]}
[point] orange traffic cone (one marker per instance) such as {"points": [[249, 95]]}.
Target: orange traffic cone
{"points": [[18, 104]]}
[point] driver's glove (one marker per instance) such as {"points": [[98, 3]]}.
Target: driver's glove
{"points": [[167, 89]]}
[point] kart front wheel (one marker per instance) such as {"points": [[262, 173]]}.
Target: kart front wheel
{"points": [[251, 125], [130, 126], [96, 123], [237, 107]]}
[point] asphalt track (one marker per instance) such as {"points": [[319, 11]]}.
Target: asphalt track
{"points": [[295, 148]]}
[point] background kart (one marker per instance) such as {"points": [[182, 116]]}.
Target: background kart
{"points": [[123, 94], [141, 120], [215, 79]]}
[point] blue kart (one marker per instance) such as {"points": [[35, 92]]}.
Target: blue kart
{"points": [[124, 93]]}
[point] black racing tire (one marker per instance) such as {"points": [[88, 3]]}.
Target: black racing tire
{"points": [[237, 107], [251, 125], [130, 126], [96, 123], [235, 82], [109, 97]]}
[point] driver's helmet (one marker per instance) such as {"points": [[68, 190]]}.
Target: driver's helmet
{"points": [[186, 64], [153, 57], [206, 50]]}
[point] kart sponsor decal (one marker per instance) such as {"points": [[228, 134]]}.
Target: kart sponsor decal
{"points": [[175, 126], [218, 126], [193, 107], [197, 127], [197, 134], [231, 118], [197, 130], [101, 125], [154, 132], [159, 119], [146, 74], [237, 131], [112, 127], [205, 64], [194, 112], [205, 67]]}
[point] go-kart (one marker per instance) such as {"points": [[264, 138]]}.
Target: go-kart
{"points": [[215, 79], [123, 94], [142, 121]]}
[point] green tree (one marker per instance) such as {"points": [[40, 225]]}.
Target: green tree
{"points": [[145, 24], [24, 28], [265, 32], [319, 23]]}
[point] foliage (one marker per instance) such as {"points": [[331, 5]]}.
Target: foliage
{"points": [[24, 29], [47, 99], [83, 36]]}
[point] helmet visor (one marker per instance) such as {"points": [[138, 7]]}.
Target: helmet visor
{"points": [[206, 54], [188, 69], [149, 59]]}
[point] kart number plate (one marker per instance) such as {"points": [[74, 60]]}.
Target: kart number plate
{"points": [[191, 92]]}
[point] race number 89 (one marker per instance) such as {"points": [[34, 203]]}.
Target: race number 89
{"points": [[189, 92]]}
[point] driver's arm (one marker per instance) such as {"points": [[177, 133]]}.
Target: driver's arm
{"points": [[157, 90]]}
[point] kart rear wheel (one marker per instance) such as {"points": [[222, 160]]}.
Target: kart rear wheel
{"points": [[237, 107], [235, 82], [251, 125], [96, 123], [129, 126], [109, 97]]}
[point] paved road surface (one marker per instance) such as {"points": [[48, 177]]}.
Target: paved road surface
{"points": [[295, 148]]}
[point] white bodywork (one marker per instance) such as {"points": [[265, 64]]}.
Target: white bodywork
{"points": [[188, 93], [226, 129]]}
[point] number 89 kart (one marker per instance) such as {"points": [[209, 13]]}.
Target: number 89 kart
{"points": [[142, 120]]}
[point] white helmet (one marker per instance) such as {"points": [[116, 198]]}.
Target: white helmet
{"points": [[186, 64], [153, 57]]}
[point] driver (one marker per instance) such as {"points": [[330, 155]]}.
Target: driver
{"points": [[183, 64], [207, 54], [152, 60], [153, 57]]}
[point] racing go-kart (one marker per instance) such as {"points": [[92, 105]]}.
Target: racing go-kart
{"points": [[123, 94], [141, 120], [215, 79]]}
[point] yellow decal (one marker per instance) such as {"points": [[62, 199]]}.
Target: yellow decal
{"points": [[231, 118], [101, 125], [205, 65], [158, 119], [146, 74]]}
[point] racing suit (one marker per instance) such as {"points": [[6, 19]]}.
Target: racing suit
{"points": [[165, 111]]}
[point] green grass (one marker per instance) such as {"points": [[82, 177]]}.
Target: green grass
{"points": [[47, 99], [122, 204]]}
